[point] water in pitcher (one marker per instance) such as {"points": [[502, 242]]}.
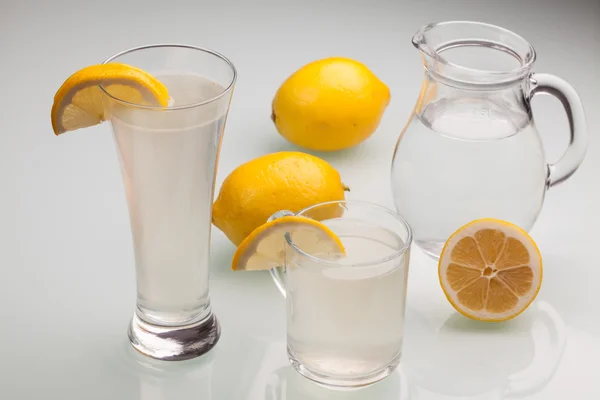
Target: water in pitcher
{"points": [[455, 164], [345, 320], [168, 161]]}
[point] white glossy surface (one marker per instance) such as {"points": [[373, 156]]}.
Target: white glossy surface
{"points": [[67, 283]]}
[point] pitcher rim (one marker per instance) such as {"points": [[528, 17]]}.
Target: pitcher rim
{"points": [[180, 46], [497, 76]]}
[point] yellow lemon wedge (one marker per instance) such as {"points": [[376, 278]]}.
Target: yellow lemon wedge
{"points": [[490, 270], [78, 102], [263, 249]]}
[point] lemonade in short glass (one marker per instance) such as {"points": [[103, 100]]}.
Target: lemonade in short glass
{"points": [[345, 313]]}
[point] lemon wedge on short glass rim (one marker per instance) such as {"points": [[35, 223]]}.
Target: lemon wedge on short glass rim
{"points": [[263, 249], [79, 102], [490, 270]]}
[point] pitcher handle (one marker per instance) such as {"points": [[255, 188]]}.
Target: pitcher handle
{"points": [[278, 272], [573, 156]]}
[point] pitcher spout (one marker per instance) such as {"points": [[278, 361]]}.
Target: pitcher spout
{"points": [[419, 38]]}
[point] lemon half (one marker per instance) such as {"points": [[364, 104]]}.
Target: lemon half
{"points": [[490, 270]]}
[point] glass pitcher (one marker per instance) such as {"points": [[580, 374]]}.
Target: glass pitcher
{"points": [[471, 149]]}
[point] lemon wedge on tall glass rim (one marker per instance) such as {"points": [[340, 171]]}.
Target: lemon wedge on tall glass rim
{"points": [[79, 104], [264, 248]]}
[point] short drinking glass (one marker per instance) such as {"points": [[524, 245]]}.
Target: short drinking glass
{"points": [[345, 314]]}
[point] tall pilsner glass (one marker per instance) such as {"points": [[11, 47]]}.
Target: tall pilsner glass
{"points": [[169, 158]]}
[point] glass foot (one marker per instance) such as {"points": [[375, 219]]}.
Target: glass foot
{"points": [[174, 343]]}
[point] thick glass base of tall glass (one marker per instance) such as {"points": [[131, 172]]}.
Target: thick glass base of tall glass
{"points": [[169, 158], [174, 343]]}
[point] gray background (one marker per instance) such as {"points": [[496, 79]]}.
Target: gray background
{"points": [[67, 282]]}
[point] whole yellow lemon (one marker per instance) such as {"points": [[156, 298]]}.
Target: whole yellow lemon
{"points": [[279, 181], [330, 104]]}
